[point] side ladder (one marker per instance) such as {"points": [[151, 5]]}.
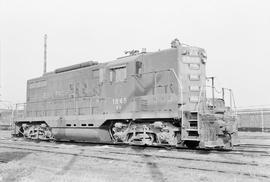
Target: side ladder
{"points": [[190, 122], [190, 126]]}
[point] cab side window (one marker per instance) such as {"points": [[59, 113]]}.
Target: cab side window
{"points": [[95, 74], [118, 74], [138, 68]]}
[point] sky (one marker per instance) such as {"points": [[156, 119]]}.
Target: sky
{"points": [[235, 34]]}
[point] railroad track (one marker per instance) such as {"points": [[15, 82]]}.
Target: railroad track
{"points": [[255, 146], [239, 150], [103, 155], [255, 137], [155, 155], [244, 149]]}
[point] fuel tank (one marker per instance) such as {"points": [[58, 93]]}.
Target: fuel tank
{"points": [[81, 134]]}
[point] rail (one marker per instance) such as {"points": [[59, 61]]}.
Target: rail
{"points": [[231, 99]]}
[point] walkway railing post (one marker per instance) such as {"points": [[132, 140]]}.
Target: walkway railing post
{"points": [[262, 121]]}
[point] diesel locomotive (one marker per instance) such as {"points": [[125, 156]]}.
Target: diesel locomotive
{"points": [[145, 98]]}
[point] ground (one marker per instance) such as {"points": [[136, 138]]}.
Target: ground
{"points": [[28, 161]]}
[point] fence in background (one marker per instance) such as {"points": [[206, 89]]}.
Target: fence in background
{"points": [[257, 119], [5, 119]]}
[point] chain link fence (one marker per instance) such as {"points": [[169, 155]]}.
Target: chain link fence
{"points": [[254, 119]]}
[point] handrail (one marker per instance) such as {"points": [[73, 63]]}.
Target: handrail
{"points": [[200, 95], [232, 100], [181, 93], [77, 109], [180, 85], [61, 109]]}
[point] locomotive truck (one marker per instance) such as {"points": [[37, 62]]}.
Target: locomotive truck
{"points": [[144, 98]]}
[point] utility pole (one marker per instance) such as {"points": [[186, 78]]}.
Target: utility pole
{"points": [[0, 69], [45, 54], [262, 121], [231, 96]]}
